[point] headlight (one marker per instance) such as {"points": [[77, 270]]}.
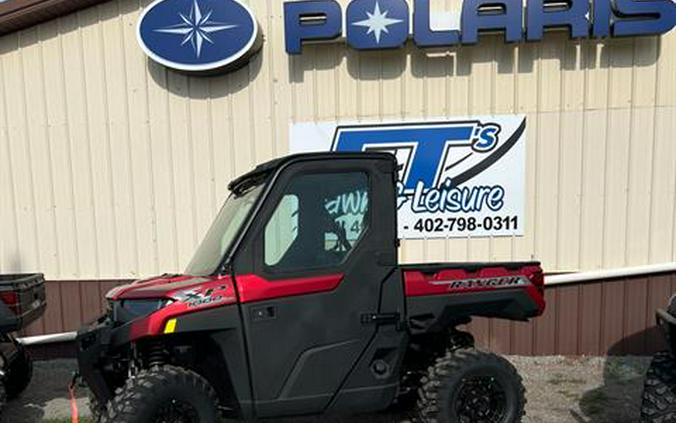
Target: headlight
{"points": [[127, 310]]}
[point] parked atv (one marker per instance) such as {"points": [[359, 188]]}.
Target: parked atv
{"points": [[659, 390], [295, 304], [22, 301]]}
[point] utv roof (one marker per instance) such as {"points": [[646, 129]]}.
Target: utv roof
{"points": [[268, 167]]}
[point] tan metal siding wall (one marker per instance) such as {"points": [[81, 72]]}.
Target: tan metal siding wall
{"points": [[112, 167]]}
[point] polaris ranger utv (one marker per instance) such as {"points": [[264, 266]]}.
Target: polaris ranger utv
{"points": [[22, 301], [294, 304]]}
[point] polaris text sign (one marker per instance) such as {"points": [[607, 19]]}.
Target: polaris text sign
{"points": [[198, 35], [457, 178], [380, 24]]}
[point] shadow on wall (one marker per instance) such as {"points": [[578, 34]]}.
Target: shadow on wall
{"points": [[458, 61], [433, 63], [13, 263], [618, 400], [96, 19], [362, 66], [205, 86], [70, 24]]}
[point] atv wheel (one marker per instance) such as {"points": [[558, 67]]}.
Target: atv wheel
{"points": [[165, 394], [471, 386], [19, 374], [659, 390], [95, 408], [3, 397]]}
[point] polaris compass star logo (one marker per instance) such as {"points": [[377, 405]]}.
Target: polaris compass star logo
{"points": [[198, 35]]}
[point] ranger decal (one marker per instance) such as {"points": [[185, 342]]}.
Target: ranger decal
{"points": [[500, 282]]}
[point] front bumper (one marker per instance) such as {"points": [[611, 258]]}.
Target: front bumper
{"points": [[94, 344]]}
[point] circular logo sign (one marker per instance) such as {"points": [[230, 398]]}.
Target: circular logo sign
{"points": [[198, 35]]}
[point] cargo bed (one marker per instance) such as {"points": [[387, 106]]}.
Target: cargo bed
{"points": [[22, 300], [440, 295]]}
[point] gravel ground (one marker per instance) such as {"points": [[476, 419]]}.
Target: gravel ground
{"points": [[560, 390]]}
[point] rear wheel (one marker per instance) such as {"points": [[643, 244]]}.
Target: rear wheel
{"points": [[659, 390], [471, 386], [20, 373], [164, 394], [3, 397]]}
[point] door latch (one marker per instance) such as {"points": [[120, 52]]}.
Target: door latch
{"points": [[380, 319]]}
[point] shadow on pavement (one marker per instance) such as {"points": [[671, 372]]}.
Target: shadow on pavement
{"points": [[618, 400], [46, 397]]}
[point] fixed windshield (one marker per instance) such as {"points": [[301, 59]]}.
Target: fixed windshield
{"points": [[223, 231]]}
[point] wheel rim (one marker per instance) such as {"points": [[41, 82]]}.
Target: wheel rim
{"points": [[176, 411], [481, 399]]}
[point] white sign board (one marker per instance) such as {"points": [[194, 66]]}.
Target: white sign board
{"points": [[457, 178]]}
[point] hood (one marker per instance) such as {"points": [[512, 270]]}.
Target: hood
{"points": [[148, 304], [164, 286]]}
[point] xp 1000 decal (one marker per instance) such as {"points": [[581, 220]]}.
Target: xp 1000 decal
{"points": [[457, 178]]}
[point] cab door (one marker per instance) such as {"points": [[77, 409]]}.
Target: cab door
{"points": [[310, 279]]}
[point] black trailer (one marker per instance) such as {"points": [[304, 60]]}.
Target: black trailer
{"points": [[22, 301]]}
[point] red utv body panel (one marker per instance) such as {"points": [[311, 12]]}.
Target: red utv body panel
{"points": [[190, 294], [158, 287], [464, 280], [254, 288], [185, 294]]}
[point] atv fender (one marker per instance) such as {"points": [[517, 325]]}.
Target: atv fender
{"points": [[667, 323]]}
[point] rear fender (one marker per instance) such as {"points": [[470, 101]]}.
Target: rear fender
{"points": [[439, 312], [667, 323]]}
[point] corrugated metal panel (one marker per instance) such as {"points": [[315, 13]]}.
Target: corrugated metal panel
{"points": [[112, 167], [71, 304]]}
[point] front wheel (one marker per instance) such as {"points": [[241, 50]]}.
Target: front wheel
{"points": [[164, 394], [471, 386]]}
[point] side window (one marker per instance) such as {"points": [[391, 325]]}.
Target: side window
{"points": [[319, 220], [282, 229]]}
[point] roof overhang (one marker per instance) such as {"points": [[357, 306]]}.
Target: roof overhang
{"points": [[19, 14]]}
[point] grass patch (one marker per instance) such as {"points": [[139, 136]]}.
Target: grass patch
{"points": [[68, 420], [560, 379]]}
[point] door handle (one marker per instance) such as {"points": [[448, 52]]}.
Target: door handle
{"points": [[263, 313], [380, 319]]}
